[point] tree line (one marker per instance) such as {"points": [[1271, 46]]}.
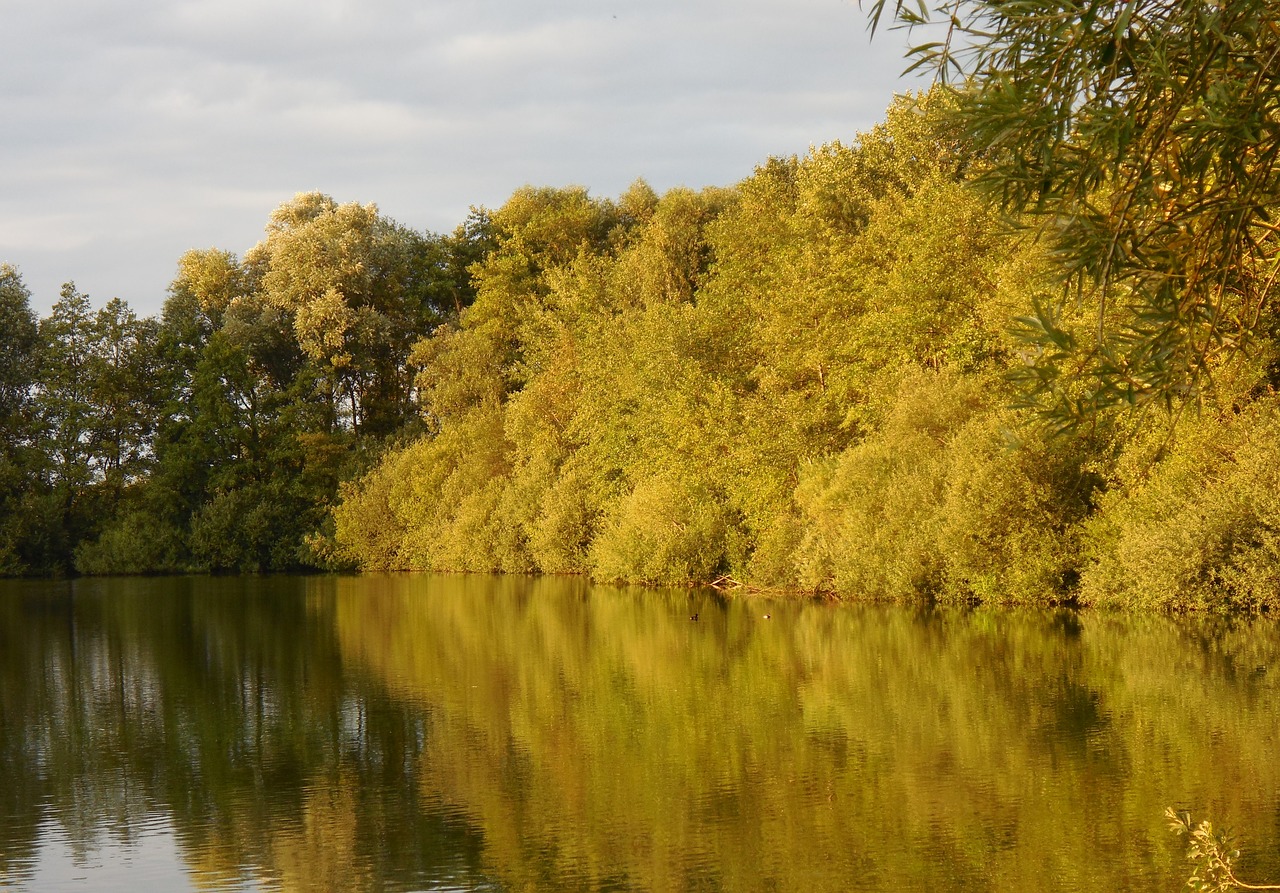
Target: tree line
{"points": [[213, 437], [853, 372]]}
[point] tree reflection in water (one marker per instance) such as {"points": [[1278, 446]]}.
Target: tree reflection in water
{"points": [[414, 731]]}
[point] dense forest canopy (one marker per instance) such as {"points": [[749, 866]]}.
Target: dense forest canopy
{"points": [[834, 376]]}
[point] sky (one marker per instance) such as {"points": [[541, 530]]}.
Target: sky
{"points": [[138, 129]]}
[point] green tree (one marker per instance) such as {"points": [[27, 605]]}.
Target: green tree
{"points": [[96, 407], [17, 345], [234, 467], [66, 414], [19, 338], [122, 371], [275, 375], [152, 532]]}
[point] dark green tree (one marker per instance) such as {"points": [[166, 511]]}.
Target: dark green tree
{"points": [[65, 412], [231, 465], [18, 459], [126, 395], [18, 331], [95, 408]]}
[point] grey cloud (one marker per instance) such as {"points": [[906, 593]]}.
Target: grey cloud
{"points": [[135, 131]]}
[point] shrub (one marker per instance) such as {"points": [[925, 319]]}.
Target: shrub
{"points": [[668, 530], [135, 543], [1197, 527], [1010, 519], [942, 501], [873, 514]]}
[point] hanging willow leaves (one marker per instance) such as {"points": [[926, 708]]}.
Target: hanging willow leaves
{"points": [[1141, 140]]}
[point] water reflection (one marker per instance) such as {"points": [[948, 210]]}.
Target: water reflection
{"points": [[224, 706], [476, 733]]}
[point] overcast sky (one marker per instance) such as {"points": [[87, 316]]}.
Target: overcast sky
{"points": [[137, 129]]}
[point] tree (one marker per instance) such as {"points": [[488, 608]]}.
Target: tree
{"points": [[95, 405], [232, 475], [1142, 140], [213, 278], [64, 406], [126, 396], [18, 331], [18, 339], [359, 287]]}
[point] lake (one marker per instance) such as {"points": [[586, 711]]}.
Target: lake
{"points": [[423, 732]]}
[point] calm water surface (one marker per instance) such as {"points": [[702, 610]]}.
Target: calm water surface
{"points": [[445, 733]]}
